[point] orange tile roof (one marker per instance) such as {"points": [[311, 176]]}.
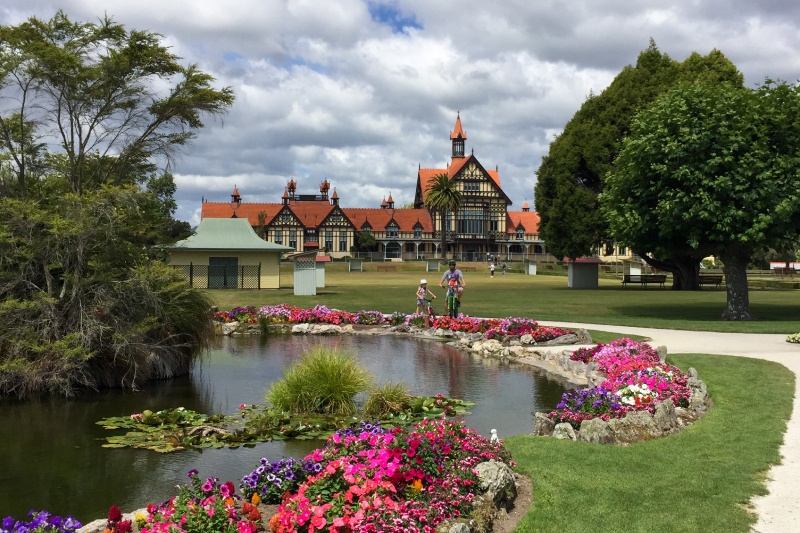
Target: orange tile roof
{"points": [[312, 214], [458, 132], [379, 218], [426, 175], [528, 219], [249, 211]]}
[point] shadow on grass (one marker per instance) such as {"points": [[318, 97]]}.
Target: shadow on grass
{"points": [[705, 311]]}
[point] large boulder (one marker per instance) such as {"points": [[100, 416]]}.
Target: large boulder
{"points": [[636, 426], [564, 431], [665, 417], [496, 481], [595, 430], [542, 425]]}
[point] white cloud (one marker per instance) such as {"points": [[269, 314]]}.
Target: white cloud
{"points": [[325, 92]]}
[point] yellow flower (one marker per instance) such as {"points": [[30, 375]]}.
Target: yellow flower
{"points": [[256, 499], [417, 484]]}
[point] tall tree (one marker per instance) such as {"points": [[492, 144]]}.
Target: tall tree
{"points": [[711, 169], [443, 197], [97, 90], [572, 173], [88, 112]]}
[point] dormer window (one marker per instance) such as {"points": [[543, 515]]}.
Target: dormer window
{"points": [[520, 233], [366, 228], [417, 232], [392, 231]]}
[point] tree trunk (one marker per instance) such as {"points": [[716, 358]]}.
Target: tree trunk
{"points": [[738, 302], [444, 236], [685, 271]]}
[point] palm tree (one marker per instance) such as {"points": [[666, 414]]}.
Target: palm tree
{"points": [[442, 196]]}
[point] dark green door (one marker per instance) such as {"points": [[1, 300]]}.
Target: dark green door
{"points": [[223, 272]]}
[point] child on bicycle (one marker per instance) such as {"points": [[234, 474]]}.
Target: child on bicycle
{"points": [[453, 277], [422, 292]]}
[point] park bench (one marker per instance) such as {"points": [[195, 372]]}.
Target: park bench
{"points": [[785, 271], [644, 279], [386, 268], [710, 279]]}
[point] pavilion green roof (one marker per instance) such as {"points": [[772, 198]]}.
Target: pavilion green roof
{"points": [[232, 234]]}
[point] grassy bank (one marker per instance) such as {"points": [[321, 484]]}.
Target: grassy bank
{"points": [[537, 297], [698, 480]]}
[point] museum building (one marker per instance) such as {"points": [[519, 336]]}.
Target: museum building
{"points": [[483, 225]]}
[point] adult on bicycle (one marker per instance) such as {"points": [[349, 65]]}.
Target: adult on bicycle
{"points": [[454, 274]]}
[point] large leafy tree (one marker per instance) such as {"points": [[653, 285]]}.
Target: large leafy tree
{"points": [[711, 169], [97, 92], [87, 114], [443, 197], [572, 173]]}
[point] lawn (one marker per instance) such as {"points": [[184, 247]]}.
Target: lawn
{"points": [[698, 480], [537, 297]]}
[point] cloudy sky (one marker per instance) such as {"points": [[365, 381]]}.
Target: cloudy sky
{"points": [[364, 92]]}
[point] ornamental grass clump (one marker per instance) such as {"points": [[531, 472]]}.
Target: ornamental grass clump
{"points": [[323, 382], [387, 399], [390, 480]]}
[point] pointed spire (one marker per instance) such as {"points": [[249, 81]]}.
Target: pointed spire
{"points": [[458, 131], [457, 137]]}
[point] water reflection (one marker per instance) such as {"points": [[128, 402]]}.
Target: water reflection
{"points": [[51, 449]]}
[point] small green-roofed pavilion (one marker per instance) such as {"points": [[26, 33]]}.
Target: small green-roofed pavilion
{"points": [[226, 253]]}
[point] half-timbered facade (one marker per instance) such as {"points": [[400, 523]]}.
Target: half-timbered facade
{"points": [[482, 226]]}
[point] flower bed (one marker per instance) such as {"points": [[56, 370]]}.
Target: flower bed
{"points": [[40, 522], [636, 380], [366, 478], [372, 478], [320, 314]]}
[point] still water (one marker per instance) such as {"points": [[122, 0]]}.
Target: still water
{"points": [[50, 450]]}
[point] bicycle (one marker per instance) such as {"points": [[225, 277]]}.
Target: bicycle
{"points": [[452, 299]]}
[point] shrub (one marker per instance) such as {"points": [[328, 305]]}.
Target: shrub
{"points": [[387, 399], [324, 381]]}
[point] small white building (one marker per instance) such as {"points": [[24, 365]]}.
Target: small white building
{"points": [[582, 273]]}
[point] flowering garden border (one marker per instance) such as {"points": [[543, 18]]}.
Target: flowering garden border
{"points": [[636, 380], [288, 314]]}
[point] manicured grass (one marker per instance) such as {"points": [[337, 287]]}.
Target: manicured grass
{"points": [[698, 480], [537, 297]]}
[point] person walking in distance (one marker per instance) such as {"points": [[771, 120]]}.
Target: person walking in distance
{"points": [[491, 270], [453, 274], [504, 267]]}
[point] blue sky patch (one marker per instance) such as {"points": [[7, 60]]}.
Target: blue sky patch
{"points": [[388, 14]]}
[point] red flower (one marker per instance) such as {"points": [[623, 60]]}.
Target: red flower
{"points": [[114, 514]]}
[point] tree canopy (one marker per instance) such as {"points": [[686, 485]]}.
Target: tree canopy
{"points": [[88, 113], [110, 100], [572, 173], [711, 169]]}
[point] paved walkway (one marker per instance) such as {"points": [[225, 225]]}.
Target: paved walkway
{"points": [[778, 511]]}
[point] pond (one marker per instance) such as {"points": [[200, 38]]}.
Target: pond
{"points": [[51, 451]]}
